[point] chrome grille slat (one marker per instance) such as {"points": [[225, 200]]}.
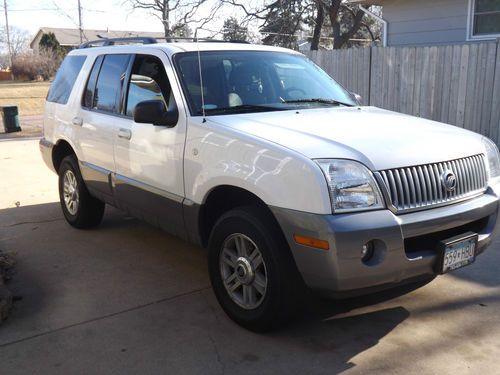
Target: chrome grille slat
{"points": [[394, 191], [478, 166], [417, 186], [400, 188], [434, 186], [458, 172], [466, 174], [421, 186], [483, 170], [472, 179], [470, 165], [411, 184]]}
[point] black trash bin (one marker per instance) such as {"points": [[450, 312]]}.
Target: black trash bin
{"points": [[10, 118]]}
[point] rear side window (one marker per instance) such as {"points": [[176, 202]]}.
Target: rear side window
{"points": [[109, 83], [89, 99], [60, 89]]}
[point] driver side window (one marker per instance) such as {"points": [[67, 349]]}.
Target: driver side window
{"points": [[148, 81]]}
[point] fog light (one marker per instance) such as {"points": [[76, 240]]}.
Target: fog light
{"points": [[367, 251]]}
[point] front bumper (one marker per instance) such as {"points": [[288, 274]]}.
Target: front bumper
{"points": [[405, 244]]}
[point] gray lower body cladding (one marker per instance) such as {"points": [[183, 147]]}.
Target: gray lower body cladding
{"points": [[173, 214], [164, 210], [405, 245]]}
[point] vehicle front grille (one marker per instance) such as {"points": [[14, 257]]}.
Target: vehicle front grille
{"points": [[422, 186]]}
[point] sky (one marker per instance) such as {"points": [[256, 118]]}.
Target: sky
{"points": [[30, 15]]}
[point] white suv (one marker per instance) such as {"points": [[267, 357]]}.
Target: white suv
{"points": [[257, 154]]}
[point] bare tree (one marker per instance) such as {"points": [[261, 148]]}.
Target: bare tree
{"points": [[344, 19], [318, 26], [172, 13], [339, 20], [31, 66], [19, 40], [280, 19]]}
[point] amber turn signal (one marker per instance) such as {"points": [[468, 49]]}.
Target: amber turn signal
{"points": [[311, 242]]}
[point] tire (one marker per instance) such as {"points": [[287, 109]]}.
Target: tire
{"points": [[270, 277], [80, 209]]}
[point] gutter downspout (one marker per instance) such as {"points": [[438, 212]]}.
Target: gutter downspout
{"points": [[381, 20]]}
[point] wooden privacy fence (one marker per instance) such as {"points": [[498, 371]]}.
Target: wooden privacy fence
{"points": [[456, 84]]}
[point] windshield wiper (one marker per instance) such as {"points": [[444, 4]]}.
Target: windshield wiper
{"points": [[317, 100], [240, 108]]}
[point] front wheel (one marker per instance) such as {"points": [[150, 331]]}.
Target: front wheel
{"points": [[251, 269], [80, 209]]}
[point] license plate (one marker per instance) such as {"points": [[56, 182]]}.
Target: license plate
{"points": [[458, 252]]}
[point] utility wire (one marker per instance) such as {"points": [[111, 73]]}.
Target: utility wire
{"points": [[33, 10]]}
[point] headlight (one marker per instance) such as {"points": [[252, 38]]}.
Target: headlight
{"points": [[352, 186], [493, 164]]}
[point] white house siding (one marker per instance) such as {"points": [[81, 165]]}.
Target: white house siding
{"points": [[426, 22]]}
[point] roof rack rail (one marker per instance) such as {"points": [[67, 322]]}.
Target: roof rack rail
{"points": [[175, 39], [112, 41], [104, 42]]}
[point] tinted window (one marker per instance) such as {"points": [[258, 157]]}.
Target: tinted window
{"points": [[253, 81], [88, 97], [109, 83], [148, 81], [60, 89]]}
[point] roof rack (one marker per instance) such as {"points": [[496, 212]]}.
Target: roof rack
{"points": [[112, 41], [175, 39], [104, 42]]}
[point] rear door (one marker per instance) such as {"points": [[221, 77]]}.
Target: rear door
{"points": [[100, 107], [149, 158]]}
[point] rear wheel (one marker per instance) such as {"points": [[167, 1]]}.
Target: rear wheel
{"points": [[251, 269], [80, 209]]}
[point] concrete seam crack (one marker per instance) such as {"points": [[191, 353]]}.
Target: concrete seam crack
{"points": [[30, 222], [105, 316], [217, 354]]}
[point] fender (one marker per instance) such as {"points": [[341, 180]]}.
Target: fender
{"points": [[217, 155]]}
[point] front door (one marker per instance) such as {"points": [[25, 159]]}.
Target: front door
{"points": [[149, 159]]}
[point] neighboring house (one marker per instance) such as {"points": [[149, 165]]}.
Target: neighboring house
{"points": [[435, 22], [70, 38]]}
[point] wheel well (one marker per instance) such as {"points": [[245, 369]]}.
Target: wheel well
{"points": [[60, 151], [223, 199]]}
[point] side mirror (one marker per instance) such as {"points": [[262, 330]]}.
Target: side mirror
{"points": [[154, 112], [356, 97]]}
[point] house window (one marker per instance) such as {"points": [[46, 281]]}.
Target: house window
{"points": [[485, 17]]}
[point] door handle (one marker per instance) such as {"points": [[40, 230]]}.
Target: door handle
{"points": [[124, 133], [77, 121]]}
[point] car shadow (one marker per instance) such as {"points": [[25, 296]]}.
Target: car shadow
{"points": [[338, 339], [483, 271]]}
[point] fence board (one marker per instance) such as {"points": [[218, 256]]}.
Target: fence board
{"points": [[495, 105], [487, 108], [447, 79]]}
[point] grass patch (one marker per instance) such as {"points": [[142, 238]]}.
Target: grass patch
{"points": [[28, 96]]}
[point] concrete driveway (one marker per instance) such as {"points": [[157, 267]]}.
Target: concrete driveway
{"points": [[127, 298]]}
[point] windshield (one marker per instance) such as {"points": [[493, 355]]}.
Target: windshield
{"points": [[254, 81]]}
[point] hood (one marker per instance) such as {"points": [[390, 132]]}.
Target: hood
{"points": [[378, 138]]}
